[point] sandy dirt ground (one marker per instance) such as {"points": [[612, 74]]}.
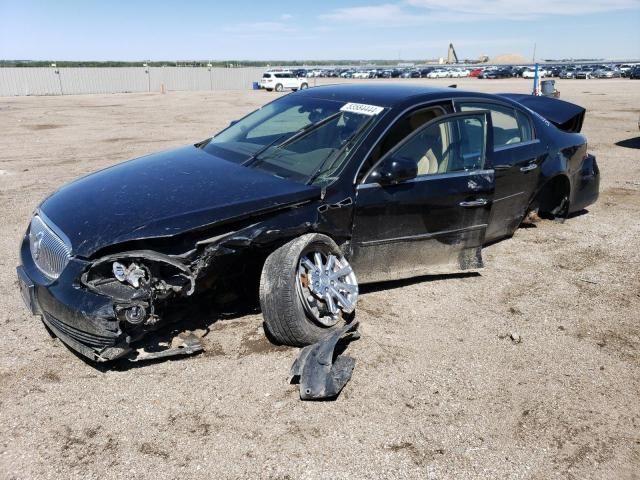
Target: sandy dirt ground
{"points": [[439, 390]]}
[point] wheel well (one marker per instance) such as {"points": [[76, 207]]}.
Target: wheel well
{"points": [[553, 198]]}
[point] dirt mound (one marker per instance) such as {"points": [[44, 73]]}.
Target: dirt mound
{"points": [[510, 59]]}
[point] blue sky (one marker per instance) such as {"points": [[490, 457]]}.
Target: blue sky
{"points": [[321, 29]]}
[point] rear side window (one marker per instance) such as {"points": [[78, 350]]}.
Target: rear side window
{"points": [[266, 75], [510, 126], [526, 129]]}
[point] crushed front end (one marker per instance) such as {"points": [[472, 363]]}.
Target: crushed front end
{"points": [[98, 307]]}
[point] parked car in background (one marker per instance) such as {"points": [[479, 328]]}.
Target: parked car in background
{"points": [[625, 69], [529, 72], [392, 73], [412, 74], [568, 73], [459, 73], [503, 72], [476, 72], [554, 71], [517, 70], [584, 73], [438, 73], [281, 80], [634, 73], [607, 72], [486, 70]]}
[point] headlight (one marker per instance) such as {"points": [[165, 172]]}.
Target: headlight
{"points": [[131, 274], [139, 274], [50, 248]]}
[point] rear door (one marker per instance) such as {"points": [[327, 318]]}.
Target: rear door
{"points": [[289, 80], [435, 222], [517, 157]]}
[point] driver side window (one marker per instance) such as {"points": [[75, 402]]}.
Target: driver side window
{"points": [[404, 127], [453, 145]]}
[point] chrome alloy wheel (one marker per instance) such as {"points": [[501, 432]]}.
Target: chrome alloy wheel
{"points": [[327, 286]]}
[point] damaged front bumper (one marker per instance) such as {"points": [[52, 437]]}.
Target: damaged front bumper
{"points": [[85, 320]]}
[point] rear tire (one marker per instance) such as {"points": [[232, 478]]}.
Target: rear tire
{"points": [[279, 87], [304, 86], [286, 303]]}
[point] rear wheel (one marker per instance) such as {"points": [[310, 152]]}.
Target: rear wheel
{"points": [[279, 87], [552, 202], [307, 289], [303, 86]]}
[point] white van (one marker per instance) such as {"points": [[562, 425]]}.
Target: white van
{"points": [[280, 80]]}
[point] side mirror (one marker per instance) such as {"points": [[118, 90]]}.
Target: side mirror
{"points": [[233, 122], [395, 170]]}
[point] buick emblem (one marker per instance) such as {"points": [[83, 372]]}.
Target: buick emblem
{"points": [[37, 245]]}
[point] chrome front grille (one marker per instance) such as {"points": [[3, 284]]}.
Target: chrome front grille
{"points": [[50, 252]]}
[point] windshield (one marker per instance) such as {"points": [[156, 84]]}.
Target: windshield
{"points": [[299, 138]]}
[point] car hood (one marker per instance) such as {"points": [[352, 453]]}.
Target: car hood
{"points": [[162, 195]]}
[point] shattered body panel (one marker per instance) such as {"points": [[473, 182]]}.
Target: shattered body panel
{"points": [[320, 370], [153, 234]]}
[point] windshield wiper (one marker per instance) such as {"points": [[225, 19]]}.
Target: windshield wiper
{"points": [[347, 143], [308, 128], [253, 157], [300, 133]]}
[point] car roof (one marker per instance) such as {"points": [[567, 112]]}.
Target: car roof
{"points": [[388, 95]]}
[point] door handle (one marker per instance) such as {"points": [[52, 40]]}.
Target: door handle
{"points": [[528, 168], [480, 202]]}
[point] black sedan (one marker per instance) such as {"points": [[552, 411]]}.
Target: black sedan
{"points": [[498, 73], [305, 198]]}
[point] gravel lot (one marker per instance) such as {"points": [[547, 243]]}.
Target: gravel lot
{"points": [[439, 390]]}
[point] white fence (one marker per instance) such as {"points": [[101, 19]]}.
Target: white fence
{"points": [[73, 81]]}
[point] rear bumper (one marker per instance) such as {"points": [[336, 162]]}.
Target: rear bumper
{"points": [[82, 320], [586, 186]]}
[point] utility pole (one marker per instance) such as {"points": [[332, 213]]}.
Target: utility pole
{"points": [[534, 52]]}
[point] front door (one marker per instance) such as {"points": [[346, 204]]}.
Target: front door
{"points": [[433, 223]]}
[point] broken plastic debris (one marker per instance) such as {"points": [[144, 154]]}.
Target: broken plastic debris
{"points": [[183, 344], [320, 373]]}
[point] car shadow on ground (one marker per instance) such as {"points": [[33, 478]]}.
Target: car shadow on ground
{"points": [[393, 284], [629, 143]]}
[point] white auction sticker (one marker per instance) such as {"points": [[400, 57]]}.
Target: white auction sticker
{"points": [[362, 108]]}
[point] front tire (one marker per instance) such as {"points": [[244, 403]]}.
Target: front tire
{"points": [[307, 290], [304, 86]]}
